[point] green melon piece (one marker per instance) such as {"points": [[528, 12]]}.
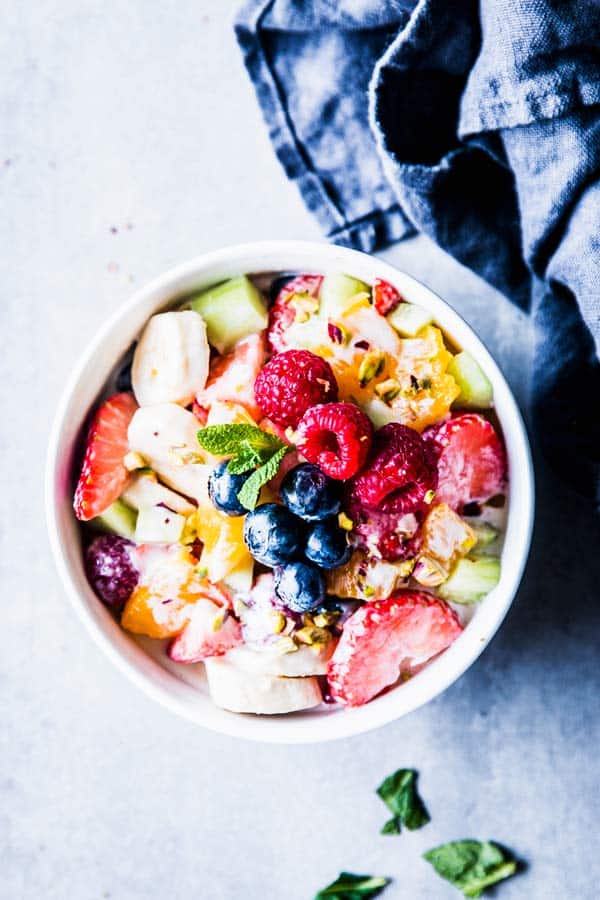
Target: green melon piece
{"points": [[475, 387], [119, 519], [471, 579], [232, 311], [408, 319], [337, 292], [486, 534]]}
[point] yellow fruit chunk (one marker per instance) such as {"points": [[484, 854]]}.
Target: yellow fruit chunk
{"points": [[222, 536], [446, 539]]}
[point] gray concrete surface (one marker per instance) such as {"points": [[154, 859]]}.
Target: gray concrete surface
{"points": [[130, 140]]}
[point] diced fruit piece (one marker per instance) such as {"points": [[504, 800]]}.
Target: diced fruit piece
{"points": [[165, 435], [232, 311], [310, 494], [399, 474], [240, 579], [272, 534], [232, 377], [111, 569], [385, 638], [385, 296], [170, 363], [336, 437], [485, 534], [379, 412], [300, 586], [446, 537], [103, 475], [119, 519], [283, 314], [471, 579], [470, 458], [476, 390], [367, 578], [211, 631], [290, 383], [235, 689], [223, 490], [169, 586], [327, 545], [264, 660], [190, 479], [224, 549], [408, 319], [226, 412], [339, 292], [145, 490], [157, 525], [311, 334], [366, 324]]}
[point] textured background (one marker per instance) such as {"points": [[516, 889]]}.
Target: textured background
{"points": [[130, 140]]}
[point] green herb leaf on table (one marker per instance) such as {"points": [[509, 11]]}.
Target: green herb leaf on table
{"points": [[251, 449], [353, 887], [400, 795], [470, 865]]}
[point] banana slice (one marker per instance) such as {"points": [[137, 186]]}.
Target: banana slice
{"points": [[144, 490], [171, 360], [238, 691], [301, 663]]}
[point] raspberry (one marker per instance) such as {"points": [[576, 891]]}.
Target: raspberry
{"points": [[386, 638], [385, 296], [399, 474], [282, 315], [110, 569], [291, 383], [336, 437], [470, 459]]}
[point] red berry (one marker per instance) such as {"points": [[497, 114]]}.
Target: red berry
{"points": [[385, 296], [336, 437], [470, 459], [282, 315], [399, 473], [386, 638], [103, 476], [292, 382]]}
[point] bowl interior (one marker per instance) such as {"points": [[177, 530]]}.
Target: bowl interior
{"points": [[182, 688]]}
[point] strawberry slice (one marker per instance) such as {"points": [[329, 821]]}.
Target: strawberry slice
{"points": [[206, 634], [471, 460], [385, 639], [232, 377], [385, 296], [103, 475], [282, 315]]}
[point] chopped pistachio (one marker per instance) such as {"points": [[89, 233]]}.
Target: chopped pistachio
{"points": [[285, 644], [428, 572], [405, 567], [304, 305], [429, 497], [133, 461], [369, 591], [219, 619], [179, 455], [277, 621], [201, 571], [327, 619], [388, 390], [359, 301], [344, 522], [371, 366], [338, 334], [312, 635], [239, 607]]}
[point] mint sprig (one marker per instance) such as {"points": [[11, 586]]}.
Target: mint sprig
{"points": [[251, 449], [471, 866], [353, 887], [400, 795]]}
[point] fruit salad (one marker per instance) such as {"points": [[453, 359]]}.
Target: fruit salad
{"points": [[297, 486]]}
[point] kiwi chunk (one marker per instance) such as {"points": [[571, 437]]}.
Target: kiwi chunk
{"points": [[232, 311], [471, 579], [475, 387], [119, 519], [408, 319]]}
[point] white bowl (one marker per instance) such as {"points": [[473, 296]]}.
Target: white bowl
{"points": [[154, 676]]}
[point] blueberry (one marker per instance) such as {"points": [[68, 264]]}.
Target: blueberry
{"points": [[110, 569], [327, 545], [223, 488], [300, 586], [273, 535], [310, 494]]}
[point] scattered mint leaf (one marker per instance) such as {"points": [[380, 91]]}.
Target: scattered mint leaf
{"points": [[392, 826], [248, 496], [230, 440], [400, 795], [353, 887], [471, 866]]}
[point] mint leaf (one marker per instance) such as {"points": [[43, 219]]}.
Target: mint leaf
{"points": [[399, 793], [392, 826], [353, 887], [471, 866], [248, 496], [226, 440], [244, 462]]}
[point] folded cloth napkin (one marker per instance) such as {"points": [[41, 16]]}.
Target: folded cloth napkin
{"points": [[477, 124]]}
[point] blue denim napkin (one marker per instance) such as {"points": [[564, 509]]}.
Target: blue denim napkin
{"points": [[475, 123]]}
